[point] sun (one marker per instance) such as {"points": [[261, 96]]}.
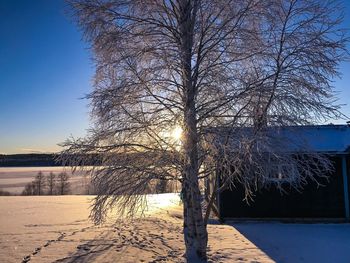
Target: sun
{"points": [[176, 133]]}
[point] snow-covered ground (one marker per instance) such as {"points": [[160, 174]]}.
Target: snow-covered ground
{"points": [[57, 229], [289, 243]]}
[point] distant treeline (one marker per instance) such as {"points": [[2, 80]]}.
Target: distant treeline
{"points": [[50, 159], [33, 159], [51, 184], [28, 160]]}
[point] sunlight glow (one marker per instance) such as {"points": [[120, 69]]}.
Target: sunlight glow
{"points": [[156, 201], [172, 137], [176, 133]]}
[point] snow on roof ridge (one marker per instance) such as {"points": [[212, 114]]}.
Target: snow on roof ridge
{"points": [[331, 125], [320, 138]]}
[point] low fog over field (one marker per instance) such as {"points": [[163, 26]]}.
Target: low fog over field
{"points": [[14, 179]]}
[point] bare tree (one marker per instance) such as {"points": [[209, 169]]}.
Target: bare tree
{"points": [[222, 71], [63, 185], [51, 183], [161, 186], [28, 189], [39, 184], [87, 186]]}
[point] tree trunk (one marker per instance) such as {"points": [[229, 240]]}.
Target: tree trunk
{"points": [[195, 232]]}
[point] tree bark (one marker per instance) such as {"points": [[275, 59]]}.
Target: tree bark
{"points": [[195, 233]]}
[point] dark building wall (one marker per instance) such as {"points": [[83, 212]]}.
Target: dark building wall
{"points": [[312, 202], [348, 172]]}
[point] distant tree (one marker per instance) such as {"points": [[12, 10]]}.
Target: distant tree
{"points": [[39, 184], [29, 189], [87, 185], [51, 183], [63, 185], [213, 69], [161, 186], [4, 193]]}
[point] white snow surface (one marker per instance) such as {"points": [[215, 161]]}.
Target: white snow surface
{"points": [[57, 229], [291, 243], [40, 229]]}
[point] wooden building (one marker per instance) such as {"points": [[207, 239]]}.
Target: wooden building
{"points": [[330, 201]]}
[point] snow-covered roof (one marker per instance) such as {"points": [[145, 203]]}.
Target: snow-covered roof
{"points": [[315, 138], [319, 138]]}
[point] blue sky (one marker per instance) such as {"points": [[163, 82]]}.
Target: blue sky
{"points": [[45, 70]]}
